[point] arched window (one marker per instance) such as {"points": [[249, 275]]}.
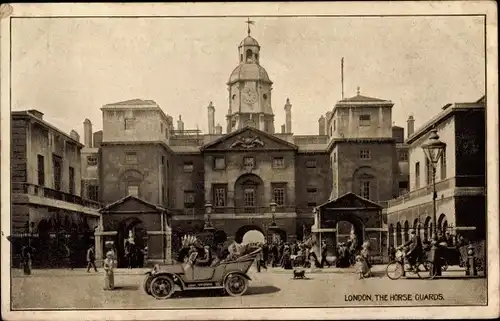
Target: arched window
{"points": [[249, 55]]}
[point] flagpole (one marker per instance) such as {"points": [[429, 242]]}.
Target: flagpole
{"points": [[342, 75]]}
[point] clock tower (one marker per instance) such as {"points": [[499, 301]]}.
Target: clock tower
{"points": [[249, 89]]}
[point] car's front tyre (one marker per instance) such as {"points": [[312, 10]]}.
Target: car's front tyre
{"points": [[162, 287], [147, 284], [235, 284]]}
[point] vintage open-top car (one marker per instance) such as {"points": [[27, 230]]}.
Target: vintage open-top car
{"points": [[162, 281]]}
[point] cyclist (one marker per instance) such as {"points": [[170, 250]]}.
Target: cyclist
{"points": [[414, 251]]}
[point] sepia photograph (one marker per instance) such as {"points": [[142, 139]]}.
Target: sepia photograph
{"points": [[249, 161]]}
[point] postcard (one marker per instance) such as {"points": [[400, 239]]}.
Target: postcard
{"points": [[249, 161]]}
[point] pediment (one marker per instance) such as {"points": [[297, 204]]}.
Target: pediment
{"points": [[248, 139], [351, 201], [131, 204]]}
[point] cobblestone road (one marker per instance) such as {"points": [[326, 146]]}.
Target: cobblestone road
{"points": [[56, 289]]}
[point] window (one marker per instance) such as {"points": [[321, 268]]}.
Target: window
{"points": [[249, 196], [133, 190], [219, 195], [311, 196], [364, 120], [93, 192], [403, 156], [131, 158], [364, 154], [278, 162], [417, 174], [279, 194], [334, 125], [331, 131], [311, 163], [41, 170], [403, 188], [129, 123], [188, 167], [57, 169], [249, 162], [189, 199], [161, 128], [163, 160], [163, 193], [365, 189], [443, 165], [334, 157], [219, 163], [71, 180], [91, 161]]}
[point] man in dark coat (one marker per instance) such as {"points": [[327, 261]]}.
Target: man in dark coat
{"points": [[324, 261], [414, 248], [91, 258]]}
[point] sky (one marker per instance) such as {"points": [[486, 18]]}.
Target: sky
{"points": [[68, 68]]}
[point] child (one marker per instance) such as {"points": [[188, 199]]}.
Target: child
{"points": [[109, 274]]}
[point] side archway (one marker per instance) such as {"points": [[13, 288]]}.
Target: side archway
{"points": [[406, 231], [399, 235], [242, 231]]}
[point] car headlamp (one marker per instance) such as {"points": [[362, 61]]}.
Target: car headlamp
{"points": [[156, 268]]}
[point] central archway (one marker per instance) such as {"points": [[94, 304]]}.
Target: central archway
{"points": [[248, 234]]}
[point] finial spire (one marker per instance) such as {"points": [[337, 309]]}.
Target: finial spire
{"points": [[249, 22], [358, 90]]}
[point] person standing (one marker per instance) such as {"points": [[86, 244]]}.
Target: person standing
{"points": [[109, 274], [91, 258], [27, 255], [324, 253]]}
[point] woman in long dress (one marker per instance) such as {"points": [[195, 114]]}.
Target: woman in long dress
{"points": [[109, 274]]}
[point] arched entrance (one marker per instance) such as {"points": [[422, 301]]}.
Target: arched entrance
{"points": [[442, 223], [399, 234], [255, 234], [347, 226], [406, 232], [277, 235], [391, 236], [131, 239], [427, 228]]}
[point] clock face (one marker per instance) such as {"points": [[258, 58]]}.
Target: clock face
{"points": [[249, 96]]}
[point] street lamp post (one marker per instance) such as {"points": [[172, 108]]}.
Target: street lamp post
{"points": [[434, 149], [273, 226], [208, 226]]}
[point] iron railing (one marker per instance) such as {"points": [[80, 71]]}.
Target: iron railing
{"points": [[457, 181], [42, 191]]}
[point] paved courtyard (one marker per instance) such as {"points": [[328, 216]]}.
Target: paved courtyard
{"points": [[65, 289]]}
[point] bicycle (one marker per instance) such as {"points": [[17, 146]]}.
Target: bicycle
{"points": [[396, 268]]}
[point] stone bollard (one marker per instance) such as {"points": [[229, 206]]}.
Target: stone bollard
{"points": [[471, 264]]}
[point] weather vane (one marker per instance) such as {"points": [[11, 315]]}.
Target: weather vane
{"points": [[249, 22]]}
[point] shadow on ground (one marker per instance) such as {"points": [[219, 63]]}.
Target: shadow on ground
{"points": [[254, 290], [127, 288]]}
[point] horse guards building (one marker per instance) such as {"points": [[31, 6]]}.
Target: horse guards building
{"points": [[143, 177]]}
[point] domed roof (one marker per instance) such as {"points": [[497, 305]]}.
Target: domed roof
{"points": [[249, 72], [249, 41]]}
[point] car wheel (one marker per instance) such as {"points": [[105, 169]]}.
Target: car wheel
{"points": [[147, 284], [235, 284], [162, 287]]}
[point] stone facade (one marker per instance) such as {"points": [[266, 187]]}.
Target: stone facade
{"points": [[460, 178]]}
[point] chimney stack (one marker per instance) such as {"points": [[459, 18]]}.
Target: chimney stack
{"points": [[180, 124], [288, 116], [97, 139], [218, 129], [283, 129], [211, 119], [321, 125], [87, 133], [411, 125], [73, 134]]}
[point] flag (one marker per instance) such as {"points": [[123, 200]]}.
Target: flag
{"points": [[342, 75]]}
